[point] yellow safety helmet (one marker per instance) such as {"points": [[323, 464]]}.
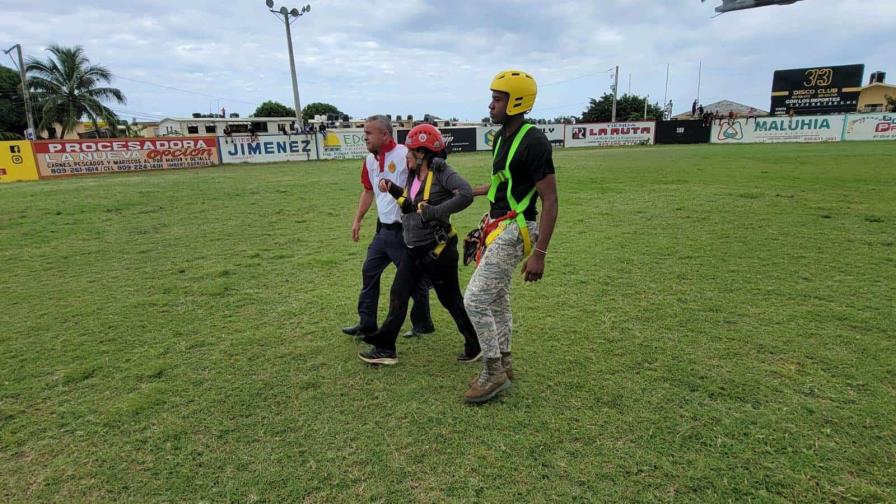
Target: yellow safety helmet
{"points": [[520, 86]]}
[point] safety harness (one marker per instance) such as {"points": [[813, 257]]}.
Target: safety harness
{"points": [[442, 235], [489, 229]]}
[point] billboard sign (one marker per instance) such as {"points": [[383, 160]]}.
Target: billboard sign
{"points": [[821, 90], [343, 144], [267, 148], [779, 129], [17, 161], [88, 157], [485, 135], [457, 139], [610, 134], [881, 126]]}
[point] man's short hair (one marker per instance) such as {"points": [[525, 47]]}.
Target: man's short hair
{"points": [[383, 121]]}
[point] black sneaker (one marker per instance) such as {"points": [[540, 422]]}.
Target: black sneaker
{"points": [[379, 356], [466, 359], [358, 331], [419, 331]]}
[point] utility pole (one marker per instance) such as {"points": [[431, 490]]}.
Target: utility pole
{"points": [[615, 91], [645, 106], [699, 81], [287, 14], [31, 134], [666, 92]]}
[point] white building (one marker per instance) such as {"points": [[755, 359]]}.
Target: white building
{"points": [[213, 126]]}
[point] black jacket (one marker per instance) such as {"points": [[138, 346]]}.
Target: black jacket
{"points": [[449, 194]]}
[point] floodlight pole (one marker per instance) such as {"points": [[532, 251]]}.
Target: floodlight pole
{"points": [[292, 62], [615, 91], [292, 69], [699, 80], [666, 92], [29, 116]]}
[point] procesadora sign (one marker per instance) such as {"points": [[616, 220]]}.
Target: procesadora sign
{"points": [[88, 157]]}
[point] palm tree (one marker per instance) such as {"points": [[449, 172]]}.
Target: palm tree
{"points": [[67, 87]]}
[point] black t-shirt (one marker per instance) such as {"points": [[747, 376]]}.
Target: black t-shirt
{"points": [[532, 163]]}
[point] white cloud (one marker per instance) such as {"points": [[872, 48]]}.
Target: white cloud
{"points": [[417, 56]]}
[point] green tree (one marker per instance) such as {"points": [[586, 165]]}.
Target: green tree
{"points": [[274, 109], [313, 109], [125, 129], [891, 103], [12, 105], [564, 120], [628, 108], [67, 87]]}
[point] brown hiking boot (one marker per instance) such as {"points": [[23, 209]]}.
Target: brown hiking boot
{"points": [[490, 382], [506, 363]]}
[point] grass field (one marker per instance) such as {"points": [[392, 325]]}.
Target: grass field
{"points": [[715, 324]]}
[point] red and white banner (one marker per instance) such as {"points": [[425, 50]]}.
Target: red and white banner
{"points": [[88, 157], [880, 126], [609, 134]]}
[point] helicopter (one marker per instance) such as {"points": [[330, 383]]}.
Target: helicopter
{"points": [[735, 5]]}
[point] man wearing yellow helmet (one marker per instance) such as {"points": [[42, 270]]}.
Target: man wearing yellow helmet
{"points": [[522, 172]]}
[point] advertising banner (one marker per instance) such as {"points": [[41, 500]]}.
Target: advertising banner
{"points": [[268, 148], [681, 132], [485, 135], [822, 90], [609, 134], [343, 144], [779, 129], [880, 126], [17, 161], [88, 157], [457, 139]]}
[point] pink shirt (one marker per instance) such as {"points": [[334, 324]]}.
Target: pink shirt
{"points": [[415, 187]]}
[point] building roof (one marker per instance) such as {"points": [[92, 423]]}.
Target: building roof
{"points": [[229, 119], [879, 84], [723, 107]]}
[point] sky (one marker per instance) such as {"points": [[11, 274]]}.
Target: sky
{"points": [[421, 56]]}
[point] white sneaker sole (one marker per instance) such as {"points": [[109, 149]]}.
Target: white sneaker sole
{"points": [[387, 361]]}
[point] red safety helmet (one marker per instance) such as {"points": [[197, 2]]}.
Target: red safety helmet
{"points": [[426, 136]]}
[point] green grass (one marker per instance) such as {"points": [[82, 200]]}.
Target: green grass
{"points": [[715, 324]]}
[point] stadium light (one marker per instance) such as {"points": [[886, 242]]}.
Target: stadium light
{"points": [[31, 134], [288, 17], [615, 91]]}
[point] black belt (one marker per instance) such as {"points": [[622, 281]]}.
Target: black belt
{"points": [[395, 226]]}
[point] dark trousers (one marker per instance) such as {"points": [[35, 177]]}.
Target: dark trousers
{"points": [[442, 272], [387, 248]]}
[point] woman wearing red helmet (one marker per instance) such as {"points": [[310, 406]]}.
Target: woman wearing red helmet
{"points": [[434, 191]]}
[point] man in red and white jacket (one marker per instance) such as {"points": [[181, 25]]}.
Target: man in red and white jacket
{"points": [[387, 160]]}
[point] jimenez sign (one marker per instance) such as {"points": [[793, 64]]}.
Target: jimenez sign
{"points": [[772, 130], [88, 157], [268, 149], [608, 134]]}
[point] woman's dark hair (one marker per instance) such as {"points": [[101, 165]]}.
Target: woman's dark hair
{"points": [[429, 155]]}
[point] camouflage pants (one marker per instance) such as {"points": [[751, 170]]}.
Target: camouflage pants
{"points": [[487, 299]]}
